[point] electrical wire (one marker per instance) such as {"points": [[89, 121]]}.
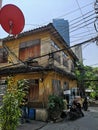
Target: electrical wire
{"points": [[72, 42], [75, 36], [80, 34], [44, 55], [79, 21], [80, 17], [71, 12], [82, 43], [82, 23]]}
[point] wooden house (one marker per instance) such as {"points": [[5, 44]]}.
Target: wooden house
{"points": [[42, 57]]}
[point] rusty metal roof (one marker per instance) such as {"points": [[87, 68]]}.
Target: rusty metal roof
{"points": [[53, 32], [33, 69], [24, 69]]}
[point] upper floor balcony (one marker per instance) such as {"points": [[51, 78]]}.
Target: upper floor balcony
{"points": [[37, 53]]}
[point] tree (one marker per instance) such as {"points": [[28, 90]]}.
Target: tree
{"points": [[94, 83], [80, 75], [87, 77], [10, 111]]}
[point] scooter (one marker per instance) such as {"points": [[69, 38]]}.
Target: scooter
{"points": [[74, 113]]}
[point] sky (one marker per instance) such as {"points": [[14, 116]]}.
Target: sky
{"points": [[80, 14]]}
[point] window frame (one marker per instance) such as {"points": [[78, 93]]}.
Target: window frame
{"points": [[29, 48]]}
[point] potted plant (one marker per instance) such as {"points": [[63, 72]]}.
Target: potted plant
{"points": [[55, 107]]}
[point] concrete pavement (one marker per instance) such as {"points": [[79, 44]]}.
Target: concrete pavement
{"points": [[32, 125], [88, 122], [93, 109]]}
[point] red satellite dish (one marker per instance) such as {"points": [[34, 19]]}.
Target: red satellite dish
{"points": [[12, 19]]}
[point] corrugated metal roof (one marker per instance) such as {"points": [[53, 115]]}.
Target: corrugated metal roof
{"points": [[53, 32], [29, 32], [34, 69]]}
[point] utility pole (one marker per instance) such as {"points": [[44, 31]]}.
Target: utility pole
{"points": [[81, 84], [96, 11], [96, 20]]}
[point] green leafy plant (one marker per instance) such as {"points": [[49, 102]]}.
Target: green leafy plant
{"points": [[55, 106], [10, 111], [87, 78]]}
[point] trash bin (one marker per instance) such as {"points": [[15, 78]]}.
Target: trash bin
{"points": [[32, 113]]}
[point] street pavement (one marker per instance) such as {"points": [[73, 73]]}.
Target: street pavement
{"points": [[88, 122], [32, 125]]}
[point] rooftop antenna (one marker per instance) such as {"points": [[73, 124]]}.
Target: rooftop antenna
{"points": [[12, 19]]}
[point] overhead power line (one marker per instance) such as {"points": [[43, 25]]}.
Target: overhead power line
{"points": [[81, 27], [79, 34], [75, 36], [85, 15], [81, 38], [85, 22], [78, 23], [73, 11], [80, 19], [82, 43]]}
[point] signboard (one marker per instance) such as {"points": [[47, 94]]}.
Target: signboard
{"points": [[67, 92]]}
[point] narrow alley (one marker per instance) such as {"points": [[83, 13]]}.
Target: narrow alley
{"points": [[88, 122]]}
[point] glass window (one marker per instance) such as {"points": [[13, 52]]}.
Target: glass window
{"points": [[65, 62], [57, 57], [55, 45]]}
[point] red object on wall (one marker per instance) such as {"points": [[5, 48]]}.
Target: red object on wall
{"points": [[12, 19]]}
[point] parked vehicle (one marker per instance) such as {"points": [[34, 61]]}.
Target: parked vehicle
{"points": [[75, 111]]}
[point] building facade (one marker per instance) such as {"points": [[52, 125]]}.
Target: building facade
{"points": [[41, 56], [78, 52], [62, 27]]}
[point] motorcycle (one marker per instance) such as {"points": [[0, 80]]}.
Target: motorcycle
{"points": [[75, 112]]}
